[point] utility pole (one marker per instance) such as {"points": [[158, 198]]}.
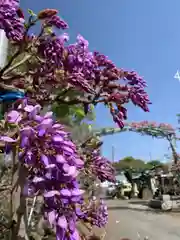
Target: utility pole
{"points": [[150, 156], [113, 153]]}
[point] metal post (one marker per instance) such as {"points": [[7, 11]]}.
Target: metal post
{"points": [[3, 59], [3, 48]]}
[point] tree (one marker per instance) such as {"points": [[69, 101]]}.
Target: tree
{"points": [[155, 163], [130, 162], [137, 164]]}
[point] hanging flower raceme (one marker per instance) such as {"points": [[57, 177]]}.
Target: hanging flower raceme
{"points": [[102, 167], [95, 213], [95, 164], [10, 22], [100, 215], [53, 165]]}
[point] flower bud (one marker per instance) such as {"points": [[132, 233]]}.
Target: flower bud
{"points": [[20, 13], [47, 13]]}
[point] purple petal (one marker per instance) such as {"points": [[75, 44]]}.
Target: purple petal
{"points": [[60, 233], [24, 142], [62, 222], [75, 235], [60, 132], [29, 108], [77, 192], [51, 217], [60, 158], [14, 117], [50, 166], [38, 179], [78, 162], [70, 170], [71, 224], [68, 149], [41, 132], [45, 160], [27, 131], [65, 193], [65, 200], [38, 118], [29, 157], [7, 139], [33, 113], [51, 193], [69, 144], [47, 121], [56, 125], [57, 139]]}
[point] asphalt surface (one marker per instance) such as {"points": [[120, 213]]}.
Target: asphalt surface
{"points": [[135, 221]]}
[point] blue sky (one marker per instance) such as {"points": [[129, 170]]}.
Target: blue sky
{"points": [[139, 35]]}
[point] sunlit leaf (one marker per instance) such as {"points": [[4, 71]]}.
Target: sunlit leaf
{"points": [[79, 112], [31, 13]]}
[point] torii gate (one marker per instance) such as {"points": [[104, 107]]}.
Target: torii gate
{"points": [[162, 130]]}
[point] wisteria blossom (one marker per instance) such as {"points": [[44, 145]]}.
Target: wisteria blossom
{"points": [[69, 75]]}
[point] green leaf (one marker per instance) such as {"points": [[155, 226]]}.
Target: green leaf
{"points": [[90, 127], [91, 107], [1, 116], [80, 113], [48, 30], [31, 13], [61, 110], [25, 25]]}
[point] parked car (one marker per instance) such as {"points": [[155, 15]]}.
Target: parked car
{"points": [[110, 189], [121, 188]]}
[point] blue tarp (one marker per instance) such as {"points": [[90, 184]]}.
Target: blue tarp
{"points": [[8, 96]]}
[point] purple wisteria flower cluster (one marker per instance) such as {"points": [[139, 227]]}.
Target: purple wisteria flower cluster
{"points": [[95, 213], [53, 165], [10, 21], [99, 166], [96, 165]]}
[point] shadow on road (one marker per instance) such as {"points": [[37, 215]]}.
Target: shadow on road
{"points": [[142, 202], [114, 208], [151, 210]]}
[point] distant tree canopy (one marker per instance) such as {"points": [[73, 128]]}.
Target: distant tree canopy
{"points": [[136, 164]]}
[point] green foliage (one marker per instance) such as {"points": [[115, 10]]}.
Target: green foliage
{"points": [[136, 164], [129, 162], [80, 132], [155, 163], [72, 114]]}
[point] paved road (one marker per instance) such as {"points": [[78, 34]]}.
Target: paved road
{"points": [[125, 222]]}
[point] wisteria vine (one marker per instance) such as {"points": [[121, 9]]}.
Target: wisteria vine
{"points": [[153, 129], [46, 69]]}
